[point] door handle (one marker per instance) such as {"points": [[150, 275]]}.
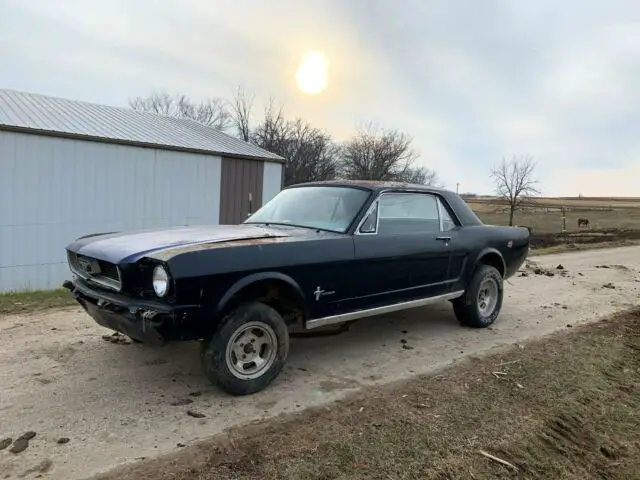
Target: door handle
{"points": [[444, 239]]}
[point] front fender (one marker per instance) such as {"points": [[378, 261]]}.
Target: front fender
{"points": [[258, 277]]}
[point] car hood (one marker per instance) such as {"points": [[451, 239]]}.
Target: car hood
{"points": [[131, 246]]}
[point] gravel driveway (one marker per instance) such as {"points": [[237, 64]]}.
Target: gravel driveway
{"points": [[114, 403]]}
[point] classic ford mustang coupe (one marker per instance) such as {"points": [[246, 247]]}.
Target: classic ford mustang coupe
{"points": [[317, 254]]}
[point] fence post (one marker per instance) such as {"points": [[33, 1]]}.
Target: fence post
{"points": [[564, 221]]}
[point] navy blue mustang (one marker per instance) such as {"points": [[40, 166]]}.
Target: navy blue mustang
{"points": [[317, 254]]}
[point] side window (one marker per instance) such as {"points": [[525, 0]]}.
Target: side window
{"points": [[447, 222], [370, 223], [408, 213]]}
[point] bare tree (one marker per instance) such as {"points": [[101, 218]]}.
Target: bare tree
{"points": [[211, 112], [376, 154], [272, 133], [241, 107], [514, 181], [421, 176], [310, 153]]}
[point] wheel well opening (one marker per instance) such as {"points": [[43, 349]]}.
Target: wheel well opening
{"points": [[493, 260], [278, 294]]}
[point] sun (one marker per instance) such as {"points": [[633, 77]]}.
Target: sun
{"points": [[313, 72]]}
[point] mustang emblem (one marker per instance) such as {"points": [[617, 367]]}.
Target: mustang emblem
{"points": [[86, 265], [319, 292]]}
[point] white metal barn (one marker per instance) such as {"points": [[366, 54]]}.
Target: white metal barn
{"points": [[69, 168]]}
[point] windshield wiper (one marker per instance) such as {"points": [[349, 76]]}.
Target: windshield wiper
{"points": [[282, 224], [317, 229]]}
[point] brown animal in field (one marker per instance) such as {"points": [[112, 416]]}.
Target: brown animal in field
{"points": [[583, 222]]}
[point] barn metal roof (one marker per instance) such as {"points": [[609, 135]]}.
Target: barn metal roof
{"points": [[34, 113]]}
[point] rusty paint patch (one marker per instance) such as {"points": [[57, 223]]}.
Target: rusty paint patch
{"points": [[171, 252]]}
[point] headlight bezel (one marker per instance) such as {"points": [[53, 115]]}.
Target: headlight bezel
{"points": [[160, 281]]}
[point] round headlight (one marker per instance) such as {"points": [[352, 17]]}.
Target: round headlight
{"points": [[160, 281]]}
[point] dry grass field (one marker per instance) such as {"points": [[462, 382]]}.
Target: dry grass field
{"points": [[612, 221], [544, 215], [572, 202]]}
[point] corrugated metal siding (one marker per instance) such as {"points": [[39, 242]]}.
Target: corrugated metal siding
{"points": [[239, 177], [272, 181], [53, 190], [71, 117]]}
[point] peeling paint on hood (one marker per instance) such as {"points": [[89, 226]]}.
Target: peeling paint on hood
{"points": [[133, 245]]}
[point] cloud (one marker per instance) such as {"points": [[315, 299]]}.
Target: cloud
{"points": [[554, 81], [471, 81]]}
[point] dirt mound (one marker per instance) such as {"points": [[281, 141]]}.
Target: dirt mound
{"points": [[532, 267]]}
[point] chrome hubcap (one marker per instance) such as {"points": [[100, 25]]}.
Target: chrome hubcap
{"points": [[487, 297], [251, 351]]}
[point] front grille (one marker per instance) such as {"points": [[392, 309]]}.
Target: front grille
{"points": [[97, 271], [109, 270]]}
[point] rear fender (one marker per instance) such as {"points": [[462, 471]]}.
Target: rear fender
{"points": [[493, 252]]}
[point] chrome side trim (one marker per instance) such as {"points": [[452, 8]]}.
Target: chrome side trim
{"points": [[401, 290], [348, 317]]}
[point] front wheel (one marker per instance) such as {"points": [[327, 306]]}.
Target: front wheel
{"points": [[481, 303], [247, 351]]}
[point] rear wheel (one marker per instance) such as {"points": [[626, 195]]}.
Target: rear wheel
{"points": [[247, 351], [482, 301]]}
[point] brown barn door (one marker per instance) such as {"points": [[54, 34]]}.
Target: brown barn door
{"points": [[241, 189]]}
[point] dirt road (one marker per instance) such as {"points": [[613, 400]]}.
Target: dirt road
{"points": [[117, 403]]}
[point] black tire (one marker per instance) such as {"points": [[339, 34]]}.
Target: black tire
{"points": [[468, 309], [214, 351]]}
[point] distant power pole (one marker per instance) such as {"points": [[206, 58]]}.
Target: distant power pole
{"points": [[457, 187]]}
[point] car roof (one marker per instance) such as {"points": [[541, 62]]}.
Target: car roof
{"points": [[376, 185]]}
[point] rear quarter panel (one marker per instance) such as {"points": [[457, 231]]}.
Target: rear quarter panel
{"points": [[512, 243]]}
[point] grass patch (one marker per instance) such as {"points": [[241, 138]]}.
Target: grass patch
{"points": [[565, 407], [578, 247], [551, 222], [27, 302]]}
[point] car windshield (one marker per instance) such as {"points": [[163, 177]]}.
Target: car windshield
{"points": [[325, 208]]}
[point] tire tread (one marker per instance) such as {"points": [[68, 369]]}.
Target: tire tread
{"points": [[213, 349], [465, 308]]}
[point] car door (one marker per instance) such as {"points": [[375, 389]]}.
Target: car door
{"points": [[459, 245], [400, 252]]}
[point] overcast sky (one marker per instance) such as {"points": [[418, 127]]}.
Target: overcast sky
{"points": [[472, 81]]}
